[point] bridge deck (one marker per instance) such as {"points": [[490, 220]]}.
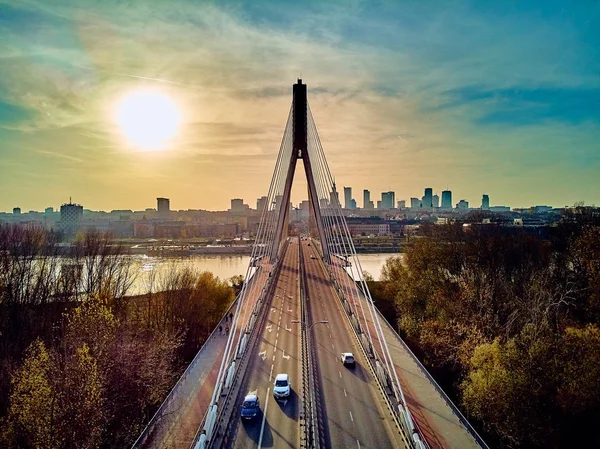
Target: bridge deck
{"points": [[431, 409]]}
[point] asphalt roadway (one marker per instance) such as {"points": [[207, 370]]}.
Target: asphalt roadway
{"points": [[354, 415], [351, 407], [279, 352]]}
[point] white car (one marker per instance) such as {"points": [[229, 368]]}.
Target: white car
{"points": [[282, 387], [348, 359]]}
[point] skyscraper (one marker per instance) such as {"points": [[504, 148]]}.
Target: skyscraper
{"points": [[435, 201], [367, 200], [428, 198], [163, 205], [388, 200], [347, 197], [485, 202], [260, 203], [446, 199], [16, 211], [70, 217], [462, 204], [415, 203], [401, 204]]}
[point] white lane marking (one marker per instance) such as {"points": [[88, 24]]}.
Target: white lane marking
{"points": [[271, 373], [270, 328], [276, 342], [277, 336], [345, 394], [351, 418], [287, 357], [333, 347], [358, 442], [286, 328], [273, 356], [340, 374], [263, 354], [330, 336], [262, 427]]}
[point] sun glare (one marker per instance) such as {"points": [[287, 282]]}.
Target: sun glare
{"points": [[148, 118]]}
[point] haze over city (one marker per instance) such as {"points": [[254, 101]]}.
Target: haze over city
{"points": [[495, 97]]}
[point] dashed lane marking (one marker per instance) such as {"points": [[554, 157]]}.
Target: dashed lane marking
{"points": [[351, 417]]}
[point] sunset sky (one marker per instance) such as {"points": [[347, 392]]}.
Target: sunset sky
{"points": [[497, 97]]}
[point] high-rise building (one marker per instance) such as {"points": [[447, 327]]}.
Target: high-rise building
{"points": [[379, 205], [485, 202], [237, 205], [415, 203], [446, 199], [16, 211], [347, 197], [49, 210], [462, 204], [402, 204], [367, 204], [260, 203], [388, 200], [435, 201], [70, 217], [428, 198], [334, 199], [163, 205], [352, 203]]}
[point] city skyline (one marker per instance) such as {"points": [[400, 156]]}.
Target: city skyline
{"points": [[405, 96]]}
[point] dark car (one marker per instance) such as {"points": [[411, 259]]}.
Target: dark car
{"points": [[250, 406]]}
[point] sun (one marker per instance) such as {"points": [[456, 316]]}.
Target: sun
{"points": [[148, 118]]}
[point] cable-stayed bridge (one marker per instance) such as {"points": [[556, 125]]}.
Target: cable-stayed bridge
{"points": [[298, 311]]}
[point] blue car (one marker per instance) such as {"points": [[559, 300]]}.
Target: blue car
{"points": [[250, 407]]}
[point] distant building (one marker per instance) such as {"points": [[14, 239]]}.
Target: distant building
{"points": [[367, 203], [447, 199], [402, 204], [334, 199], [388, 200], [379, 204], [70, 217], [261, 203], [500, 209], [485, 202], [541, 209], [16, 211], [163, 205], [347, 197], [428, 198], [49, 210], [435, 201], [237, 205], [352, 204], [415, 203], [462, 205]]}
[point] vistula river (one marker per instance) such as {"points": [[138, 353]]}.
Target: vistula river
{"points": [[220, 265]]}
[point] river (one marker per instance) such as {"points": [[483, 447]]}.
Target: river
{"points": [[223, 266]]}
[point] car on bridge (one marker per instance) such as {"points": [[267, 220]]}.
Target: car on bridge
{"points": [[282, 388], [348, 359], [250, 406]]}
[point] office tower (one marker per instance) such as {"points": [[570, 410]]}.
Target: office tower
{"points": [[435, 201], [428, 198], [347, 197], [462, 204], [16, 211], [352, 203], [485, 202], [446, 199], [260, 203], [401, 204], [367, 204], [334, 199], [379, 205], [415, 203], [49, 210], [388, 200], [163, 205], [70, 217]]}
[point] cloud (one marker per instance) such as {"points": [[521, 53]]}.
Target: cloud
{"points": [[444, 78]]}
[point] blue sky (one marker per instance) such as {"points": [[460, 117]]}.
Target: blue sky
{"points": [[497, 97]]}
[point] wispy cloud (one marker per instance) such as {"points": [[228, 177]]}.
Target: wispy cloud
{"points": [[476, 92]]}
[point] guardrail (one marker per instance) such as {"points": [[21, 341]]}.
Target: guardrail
{"points": [[312, 432], [174, 400]]}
